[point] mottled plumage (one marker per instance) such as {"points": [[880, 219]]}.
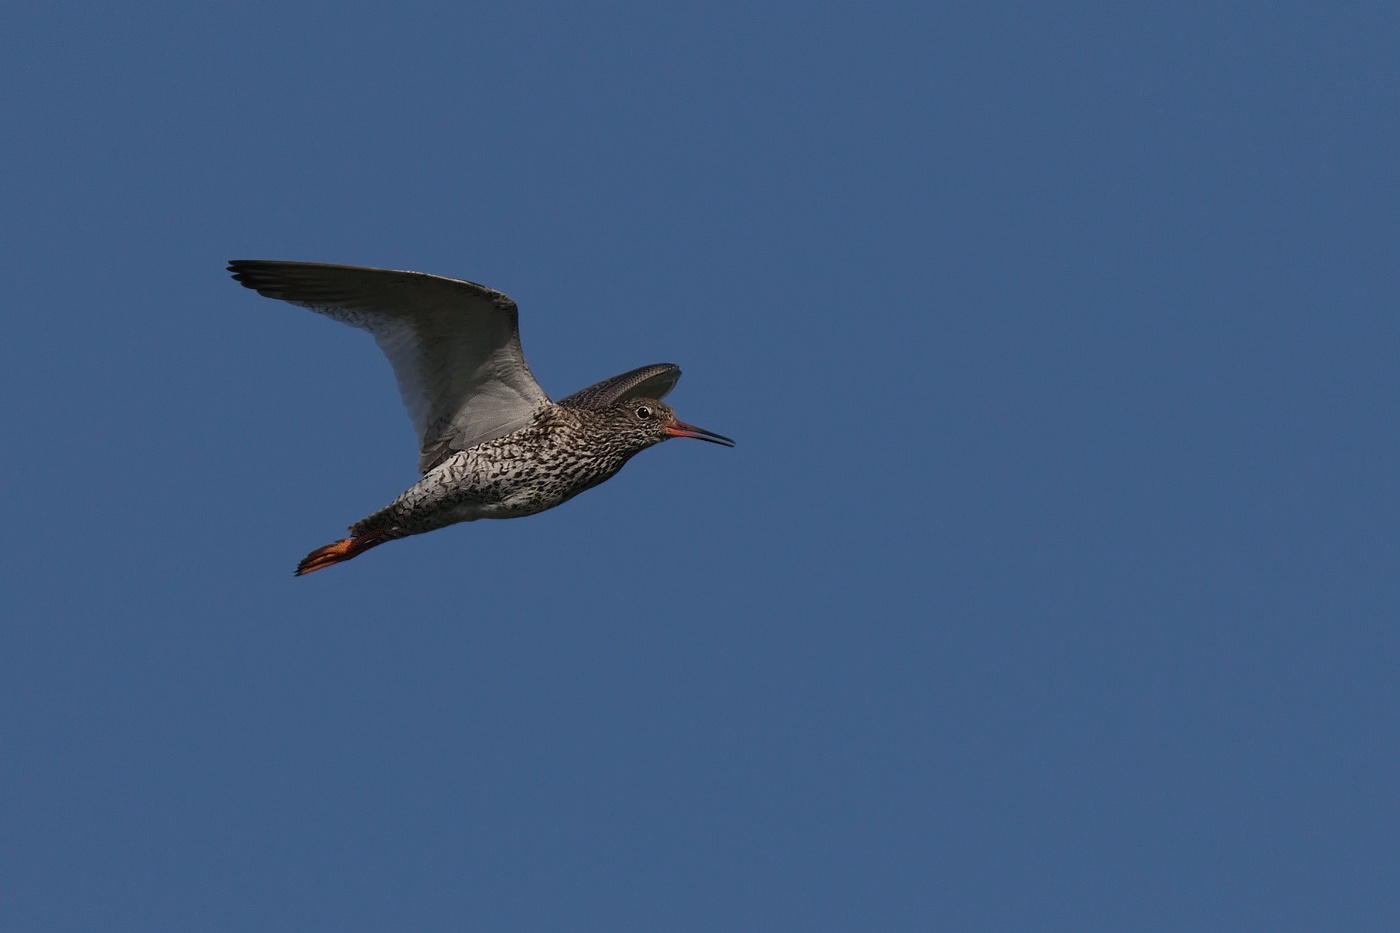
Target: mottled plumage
{"points": [[492, 444]]}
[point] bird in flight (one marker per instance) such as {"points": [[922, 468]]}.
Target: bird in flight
{"points": [[491, 443]]}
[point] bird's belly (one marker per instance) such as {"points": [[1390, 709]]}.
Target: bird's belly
{"points": [[450, 509], [520, 499], [469, 487], [510, 493]]}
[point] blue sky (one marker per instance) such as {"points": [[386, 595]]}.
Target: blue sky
{"points": [[1052, 585]]}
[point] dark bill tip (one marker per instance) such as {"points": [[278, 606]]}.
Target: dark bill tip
{"points": [[681, 429]]}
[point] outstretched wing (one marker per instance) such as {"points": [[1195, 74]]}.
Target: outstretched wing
{"points": [[454, 345], [652, 381]]}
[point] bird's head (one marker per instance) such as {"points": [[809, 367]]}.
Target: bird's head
{"points": [[646, 421]]}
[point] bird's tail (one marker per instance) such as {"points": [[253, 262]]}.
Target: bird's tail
{"points": [[336, 552]]}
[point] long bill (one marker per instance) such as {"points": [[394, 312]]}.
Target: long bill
{"points": [[681, 429]]}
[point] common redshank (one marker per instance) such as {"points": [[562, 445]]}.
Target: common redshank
{"points": [[491, 443]]}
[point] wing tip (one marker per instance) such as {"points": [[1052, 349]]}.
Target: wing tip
{"points": [[655, 380], [247, 271]]}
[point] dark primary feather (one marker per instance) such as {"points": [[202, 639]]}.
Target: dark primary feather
{"points": [[652, 381]]}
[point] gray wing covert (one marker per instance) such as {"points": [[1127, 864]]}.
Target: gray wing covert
{"points": [[454, 345]]}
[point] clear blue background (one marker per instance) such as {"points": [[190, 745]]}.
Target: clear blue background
{"points": [[1052, 585]]}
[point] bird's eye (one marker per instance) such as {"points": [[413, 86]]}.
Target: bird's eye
{"points": [[643, 412]]}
